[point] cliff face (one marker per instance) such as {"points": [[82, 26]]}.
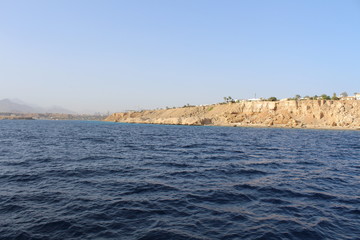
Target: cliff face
{"points": [[299, 114]]}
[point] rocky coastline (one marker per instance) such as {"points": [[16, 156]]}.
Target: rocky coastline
{"points": [[318, 114]]}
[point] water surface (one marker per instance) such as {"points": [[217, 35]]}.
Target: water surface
{"points": [[98, 180]]}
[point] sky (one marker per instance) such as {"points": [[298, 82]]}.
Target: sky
{"points": [[116, 55]]}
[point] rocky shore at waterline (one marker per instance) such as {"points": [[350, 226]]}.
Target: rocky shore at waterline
{"points": [[328, 114]]}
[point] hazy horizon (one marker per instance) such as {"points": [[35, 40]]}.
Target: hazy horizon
{"points": [[99, 56]]}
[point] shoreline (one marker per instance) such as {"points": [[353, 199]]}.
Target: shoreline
{"points": [[304, 114], [247, 126]]}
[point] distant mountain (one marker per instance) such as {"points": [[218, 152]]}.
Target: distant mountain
{"points": [[57, 109], [6, 105], [17, 106]]}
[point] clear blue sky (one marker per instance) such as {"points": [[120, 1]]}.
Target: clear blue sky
{"points": [[119, 55]]}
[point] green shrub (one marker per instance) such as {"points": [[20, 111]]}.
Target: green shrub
{"points": [[272, 99]]}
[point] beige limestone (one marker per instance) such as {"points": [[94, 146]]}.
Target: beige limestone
{"points": [[294, 114]]}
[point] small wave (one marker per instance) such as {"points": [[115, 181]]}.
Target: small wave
{"points": [[274, 201], [306, 234], [355, 212], [190, 146], [10, 208], [308, 162], [22, 236], [97, 158], [135, 188], [166, 235], [320, 196], [78, 173], [187, 174], [220, 197], [169, 164], [236, 171], [245, 186], [51, 226], [97, 140], [267, 149], [273, 191], [22, 177], [265, 164]]}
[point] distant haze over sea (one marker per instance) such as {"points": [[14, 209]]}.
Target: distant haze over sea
{"points": [[18, 106]]}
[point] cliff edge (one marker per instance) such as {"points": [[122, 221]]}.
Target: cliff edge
{"points": [[294, 114]]}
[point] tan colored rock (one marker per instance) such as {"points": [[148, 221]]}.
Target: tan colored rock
{"points": [[299, 114]]}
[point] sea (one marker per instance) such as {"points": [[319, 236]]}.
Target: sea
{"points": [[102, 180]]}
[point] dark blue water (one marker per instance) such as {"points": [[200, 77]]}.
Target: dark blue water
{"points": [[94, 180]]}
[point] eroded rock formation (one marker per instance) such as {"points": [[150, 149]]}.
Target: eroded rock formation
{"points": [[297, 114]]}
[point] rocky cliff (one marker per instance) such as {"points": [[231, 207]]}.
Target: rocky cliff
{"points": [[294, 114]]}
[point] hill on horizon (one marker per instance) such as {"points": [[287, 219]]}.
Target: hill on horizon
{"points": [[17, 106]]}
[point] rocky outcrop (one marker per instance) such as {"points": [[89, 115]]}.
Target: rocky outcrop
{"points": [[294, 114]]}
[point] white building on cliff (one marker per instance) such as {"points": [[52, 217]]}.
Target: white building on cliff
{"points": [[357, 96]]}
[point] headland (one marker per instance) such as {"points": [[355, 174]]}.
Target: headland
{"points": [[318, 114]]}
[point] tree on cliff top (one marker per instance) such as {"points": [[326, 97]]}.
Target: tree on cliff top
{"points": [[343, 94], [272, 99], [229, 99], [325, 97], [334, 97]]}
